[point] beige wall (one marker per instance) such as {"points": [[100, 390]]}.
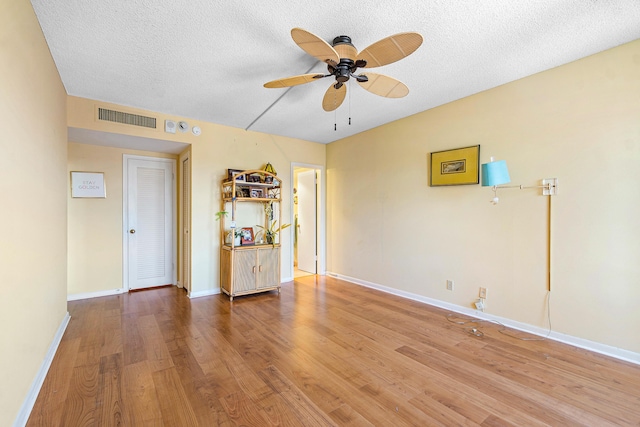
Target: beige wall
{"points": [[212, 153], [33, 217], [95, 225], [578, 123], [238, 149]]}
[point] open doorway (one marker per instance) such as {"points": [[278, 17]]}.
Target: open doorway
{"points": [[306, 220]]}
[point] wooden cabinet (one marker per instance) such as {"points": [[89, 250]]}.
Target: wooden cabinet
{"points": [[247, 270], [255, 268]]}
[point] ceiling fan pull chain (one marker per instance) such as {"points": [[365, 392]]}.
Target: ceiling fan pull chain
{"points": [[335, 114], [350, 90]]}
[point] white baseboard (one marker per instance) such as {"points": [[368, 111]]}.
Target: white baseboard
{"points": [[205, 293], [596, 347], [74, 297], [32, 395], [286, 280]]}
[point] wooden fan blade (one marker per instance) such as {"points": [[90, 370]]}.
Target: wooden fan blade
{"points": [[333, 97], [293, 80], [315, 46], [390, 49], [386, 86]]}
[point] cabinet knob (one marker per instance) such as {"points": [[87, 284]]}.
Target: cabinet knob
{"points": [[132, 231]]}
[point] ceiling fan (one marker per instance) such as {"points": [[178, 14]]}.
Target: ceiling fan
{"points": [[343, 59]]}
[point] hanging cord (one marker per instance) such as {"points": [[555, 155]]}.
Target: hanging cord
{"points": [[335, 112], [473, 324], [350, 90]]}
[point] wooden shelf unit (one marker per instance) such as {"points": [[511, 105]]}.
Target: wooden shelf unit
{"points": [[254, 268]]}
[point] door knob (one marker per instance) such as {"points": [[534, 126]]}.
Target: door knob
{"points": [[132, 231]]}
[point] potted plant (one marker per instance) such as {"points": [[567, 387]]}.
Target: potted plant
{"points": [[271, 232]]}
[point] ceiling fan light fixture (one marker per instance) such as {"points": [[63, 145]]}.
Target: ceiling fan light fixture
{"points": [[343, 60]]}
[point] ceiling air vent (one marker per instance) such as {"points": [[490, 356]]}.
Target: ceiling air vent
{"points": [[126, 118]]}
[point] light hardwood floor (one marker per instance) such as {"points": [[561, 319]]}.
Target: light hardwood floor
{"points": [[323, 352]]}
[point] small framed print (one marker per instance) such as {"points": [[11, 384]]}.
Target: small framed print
{"points": [[455, 167], [246, 238], [257, 193], [88, 185]]}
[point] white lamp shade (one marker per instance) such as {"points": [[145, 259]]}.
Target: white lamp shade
{"points": [[495, 173]]}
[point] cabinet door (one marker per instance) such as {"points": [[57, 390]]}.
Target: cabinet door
{"points": [[245, 270], [268, 268]]}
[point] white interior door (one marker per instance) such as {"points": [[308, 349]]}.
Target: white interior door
{"points": [[149, 220], [307, 221]]}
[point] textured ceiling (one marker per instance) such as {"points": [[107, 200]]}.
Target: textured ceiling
{"points": [[208, 60]]}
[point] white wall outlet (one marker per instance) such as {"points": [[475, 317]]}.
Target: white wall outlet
{"points": [[483, 293], [449, 285], [233, 224], [479, 305]]}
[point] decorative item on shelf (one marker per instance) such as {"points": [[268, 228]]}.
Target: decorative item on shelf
{"points": [[234, 234], [269, 168], [268, 210], [254, 177], [246, 236], [271, 232], [233, 172], [242, 192], [257, 193]]}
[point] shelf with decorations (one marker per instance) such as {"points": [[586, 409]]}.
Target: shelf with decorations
{"points": [[250, 261]]}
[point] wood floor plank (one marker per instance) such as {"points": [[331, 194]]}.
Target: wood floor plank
{"points": [[109, 398], [142, 406], [47, 410], [321, 352], [175, 407], [80, 404]]}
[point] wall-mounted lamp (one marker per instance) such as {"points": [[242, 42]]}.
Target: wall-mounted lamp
{"points": [[495, 173]]}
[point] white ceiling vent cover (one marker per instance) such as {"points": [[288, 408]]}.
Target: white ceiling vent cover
{"points": [[126, 118]]}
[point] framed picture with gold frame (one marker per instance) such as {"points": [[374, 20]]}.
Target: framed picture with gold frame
{"points": [[460, 166]]}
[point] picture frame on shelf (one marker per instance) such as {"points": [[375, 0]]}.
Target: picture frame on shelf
{"points": [[268, 180], [233, 172], [246, 238], [257, 193], [460, 166], [242, 192], [254, 177]]}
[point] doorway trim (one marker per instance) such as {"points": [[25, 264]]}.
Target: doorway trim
{"points": [[321, 237], [125, 195], [184, 223]]}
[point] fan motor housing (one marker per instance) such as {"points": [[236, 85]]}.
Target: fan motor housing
{"points": [[342, 45]]}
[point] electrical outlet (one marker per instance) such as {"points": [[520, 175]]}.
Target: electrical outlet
{"points": [[483, 293], [449, 285]]}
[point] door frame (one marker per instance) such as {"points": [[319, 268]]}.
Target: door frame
{"points": [[125, 228], [321, 226], [184, 223]]}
